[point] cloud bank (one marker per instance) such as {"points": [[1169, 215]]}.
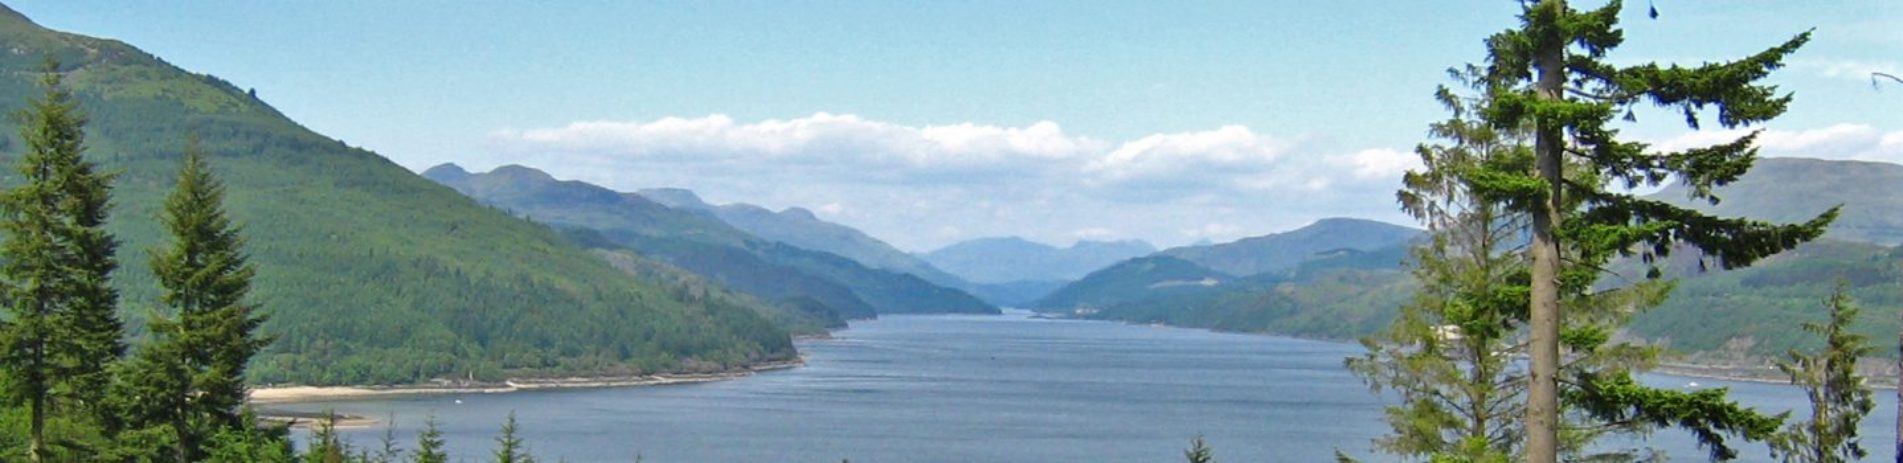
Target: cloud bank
{"points": [[921, 187]]}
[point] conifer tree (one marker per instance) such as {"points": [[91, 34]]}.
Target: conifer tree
{"points": [[190, 379], [62, 331], [509, 447], [1550, 75], [1838, 396], [429, 444]]}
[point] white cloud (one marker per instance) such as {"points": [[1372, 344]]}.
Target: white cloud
{"points": [[924, 186], [1841, 141], [1849, 69]]}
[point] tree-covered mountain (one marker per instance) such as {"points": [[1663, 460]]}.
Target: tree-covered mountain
{"points": [[1013, 259], [800, 228], [1756, 312], [1268, 253], [1339, 294], [369, 273], [705, 245], [1784, 190]]}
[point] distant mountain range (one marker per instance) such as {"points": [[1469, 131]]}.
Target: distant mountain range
{"points": [[701, 242], [1279, 251], [1790, 190], [800, 228], [1345, 284], [1341, 278], [1013, 259], [369, 273]]}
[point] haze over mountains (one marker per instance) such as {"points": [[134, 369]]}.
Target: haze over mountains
{"points": [[701, 242]]}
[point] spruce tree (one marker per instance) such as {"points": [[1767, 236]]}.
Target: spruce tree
{"points": [[1838, 396], [62, 333], [189, 380], [206, 279], [509, 447], [1550, 76], [429, 444]]}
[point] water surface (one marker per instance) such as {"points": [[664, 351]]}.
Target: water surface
{"points": [[984, 389]]}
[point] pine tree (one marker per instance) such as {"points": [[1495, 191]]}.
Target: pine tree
{"points": [[1551, 77], [429, 444], [62, 333], [509, 447], [189, 380], [1838, 396]]}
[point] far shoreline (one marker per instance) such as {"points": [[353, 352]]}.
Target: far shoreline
{"points": [[278, 395]]}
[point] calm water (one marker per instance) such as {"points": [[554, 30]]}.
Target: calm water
{"points": [[983, 389]]}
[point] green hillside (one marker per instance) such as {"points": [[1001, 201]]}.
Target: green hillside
{"points": [[370, 273], [1756, 311], [1279, 251], [703, 244]]}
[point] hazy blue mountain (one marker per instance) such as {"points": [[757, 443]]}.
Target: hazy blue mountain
{"points": [[1795, 189], [1281, 251], [703, 244], [1012, 260], [800, 228]]}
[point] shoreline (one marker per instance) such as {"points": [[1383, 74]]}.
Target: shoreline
{"points": [[271, 395]]}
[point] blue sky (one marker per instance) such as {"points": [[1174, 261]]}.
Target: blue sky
{"points": [[928, 123]]}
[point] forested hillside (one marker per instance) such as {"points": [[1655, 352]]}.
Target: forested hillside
{"points": [[370, 274]]}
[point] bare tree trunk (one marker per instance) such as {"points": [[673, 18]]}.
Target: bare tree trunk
{"points": [[1542, 392]]}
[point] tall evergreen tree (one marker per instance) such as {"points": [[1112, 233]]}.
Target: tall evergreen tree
{"points": [[62, 333], [1838, 396], [190, 379], [1550, 75], [1449, 355]]}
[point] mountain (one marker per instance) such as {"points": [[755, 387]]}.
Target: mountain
{"points": [[1790, 190], [1131, 280], [1280, 251], [369, 273], [1756, 311], [800, 228], [1012, 259], [1340, 294], [703, 244]]}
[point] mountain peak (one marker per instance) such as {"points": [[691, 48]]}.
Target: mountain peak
{"points": [[521, 173], [800, 213], [446, 173], [678, 198]]}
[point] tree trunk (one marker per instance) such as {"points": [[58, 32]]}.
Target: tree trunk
{"points": [[1899, 395], [1542, 392]]}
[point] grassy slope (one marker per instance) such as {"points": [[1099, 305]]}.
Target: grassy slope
{"points": [[370, 273]]}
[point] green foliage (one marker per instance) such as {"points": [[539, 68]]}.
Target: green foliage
{"points": [[509, 447], [61, 333], [1199, 452], [1548, 78], [1839, 398], [429, 444]]}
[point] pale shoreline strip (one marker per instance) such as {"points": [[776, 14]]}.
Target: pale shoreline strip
{"points": [[301, 394]]}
